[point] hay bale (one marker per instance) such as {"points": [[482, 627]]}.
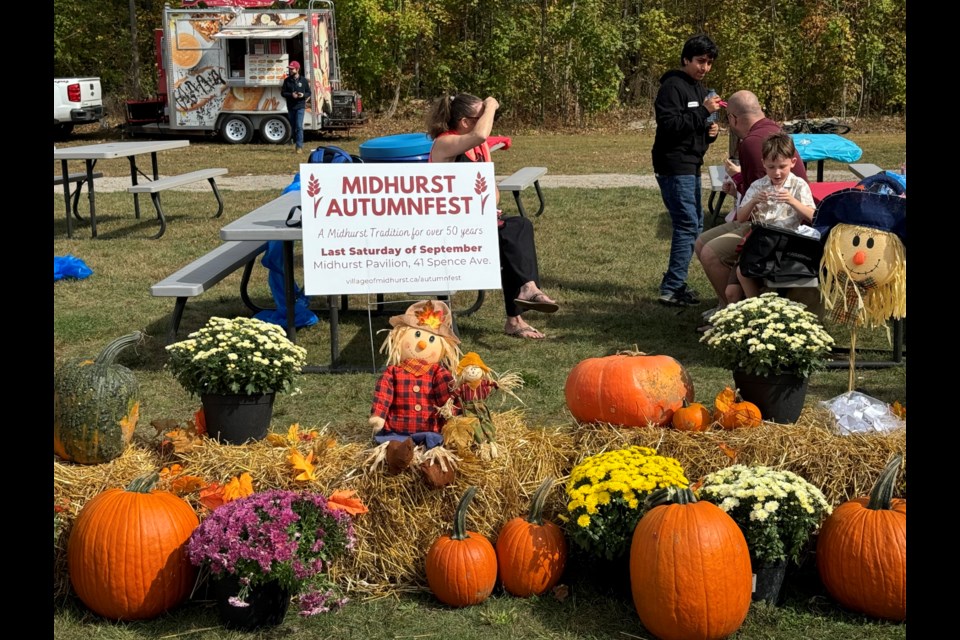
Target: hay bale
{"points": [[405, 516]]}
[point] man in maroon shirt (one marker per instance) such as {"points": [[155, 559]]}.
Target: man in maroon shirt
{"points": [[716, 247]]}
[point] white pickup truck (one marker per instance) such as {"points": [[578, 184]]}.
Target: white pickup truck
{"points": [[75, 101]]}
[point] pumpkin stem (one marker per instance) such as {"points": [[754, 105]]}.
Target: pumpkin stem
{"points": [[110, 352], [631, 352], [882, 494], [670, 495], [145, 483], [538, 500], [460, 521]]}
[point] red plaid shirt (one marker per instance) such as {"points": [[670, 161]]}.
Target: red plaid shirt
{"points": [[407, 396]]}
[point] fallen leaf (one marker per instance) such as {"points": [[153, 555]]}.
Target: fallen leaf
{"points": [[346, 500], [899, 410], [211, 496], [183, 485], [238, 487], [277, 440], [561, 592], [730, 451], [305, 465], [200, 422]]}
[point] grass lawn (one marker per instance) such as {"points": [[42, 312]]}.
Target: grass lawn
{"points": [[602, 252]]}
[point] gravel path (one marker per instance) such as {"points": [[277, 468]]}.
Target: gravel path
{"points": [[278, 182]]}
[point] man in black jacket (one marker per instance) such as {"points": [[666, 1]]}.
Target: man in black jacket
{"points": [[296, 90], [683, 134]]}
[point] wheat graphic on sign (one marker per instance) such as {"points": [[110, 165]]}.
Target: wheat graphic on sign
{"points": [[313, 190], [479, 187]]}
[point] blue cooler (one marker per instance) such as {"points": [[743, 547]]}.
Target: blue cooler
{"points": [[404, 147]]}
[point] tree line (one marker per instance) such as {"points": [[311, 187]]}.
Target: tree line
{"points": [[556, 61]]}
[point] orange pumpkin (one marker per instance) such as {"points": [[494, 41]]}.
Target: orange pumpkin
{"points": [[693, 416], [733, 412], [127, 554], [462, 566], [531, 551], [630, 389], [862, 551], [689, 568]]}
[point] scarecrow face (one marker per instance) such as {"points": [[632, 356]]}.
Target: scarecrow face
{"points": [[471, 373], [420, 344], [867, 253]]}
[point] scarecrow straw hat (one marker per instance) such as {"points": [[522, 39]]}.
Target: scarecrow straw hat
{"points": [[472, 359], [428, 315]]}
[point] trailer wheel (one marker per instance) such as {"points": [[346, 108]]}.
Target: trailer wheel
{"points": [[275, 130], [236, 129]]}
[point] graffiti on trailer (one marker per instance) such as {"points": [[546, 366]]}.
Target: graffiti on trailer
{"points": [[194, 91]]}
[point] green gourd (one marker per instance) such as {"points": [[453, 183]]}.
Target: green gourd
{"points": [[96, 405]]}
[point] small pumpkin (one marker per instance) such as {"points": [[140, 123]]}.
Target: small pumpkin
{"points": [[462, 566], [96, 405], [690, 569], [862, 551], [630, 388], [733, 412], [127, 552], [531, 551], [692, 416]]}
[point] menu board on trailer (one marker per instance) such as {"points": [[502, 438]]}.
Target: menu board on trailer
{"points": [[266, 69]]}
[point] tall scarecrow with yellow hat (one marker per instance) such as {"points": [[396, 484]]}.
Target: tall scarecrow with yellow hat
{"points": [[421, 351], [863, 273]]}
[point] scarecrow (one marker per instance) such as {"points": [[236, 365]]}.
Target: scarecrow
{"points": [[863, 272], [421, 350], [475, 383]]}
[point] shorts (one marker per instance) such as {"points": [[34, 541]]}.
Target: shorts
{"points": [[723, 240]]}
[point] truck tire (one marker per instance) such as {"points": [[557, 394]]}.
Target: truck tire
{"points": [[236, 129], [275, 130]]}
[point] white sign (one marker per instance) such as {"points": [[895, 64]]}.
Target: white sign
{"points": [[399, 227]]}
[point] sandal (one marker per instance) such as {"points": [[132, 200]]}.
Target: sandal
{"points": [[525, 333], [539, 302]]}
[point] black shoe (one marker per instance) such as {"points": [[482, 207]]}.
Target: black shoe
{"points": [[682, 298], [691, 293]]}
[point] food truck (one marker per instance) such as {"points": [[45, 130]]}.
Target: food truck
{"points": [[220, 68]]}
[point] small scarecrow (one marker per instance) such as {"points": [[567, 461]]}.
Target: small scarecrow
{"points": [[421, 350], [476, 382], [863, 272]]}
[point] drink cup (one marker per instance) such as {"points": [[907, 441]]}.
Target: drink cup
{"points": [[713, 116]]}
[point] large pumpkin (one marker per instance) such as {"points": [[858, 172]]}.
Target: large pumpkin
{"points": [[689, 568], [127, 553], [862, 551], [462, 566], [630, 389], [531, 551], [96, 405]]}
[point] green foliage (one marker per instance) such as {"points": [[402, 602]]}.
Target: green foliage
{"points": [[549, 60]]}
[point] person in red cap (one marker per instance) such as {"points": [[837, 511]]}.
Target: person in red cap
{"points": [[296, 90]]}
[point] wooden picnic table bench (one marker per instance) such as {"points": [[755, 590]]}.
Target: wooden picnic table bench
{"points": [[154, 187], [79, 179], [206, 271]]}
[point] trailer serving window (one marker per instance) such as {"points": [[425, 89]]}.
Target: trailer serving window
{"points": [[260, 55]]}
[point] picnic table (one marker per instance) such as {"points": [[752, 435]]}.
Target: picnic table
{"points": [[91, 153], [825, 146]]}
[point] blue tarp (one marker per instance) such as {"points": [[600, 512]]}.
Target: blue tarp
{"points": [[69, 267], [273, 261], [825, 146]]}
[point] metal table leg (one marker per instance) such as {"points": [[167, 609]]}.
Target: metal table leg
{"points": [[66, 195], [91, 197]]}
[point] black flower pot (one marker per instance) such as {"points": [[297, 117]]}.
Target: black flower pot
{"points": [[779, 398], [768, 579], [267, 604], [236, 419]]}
